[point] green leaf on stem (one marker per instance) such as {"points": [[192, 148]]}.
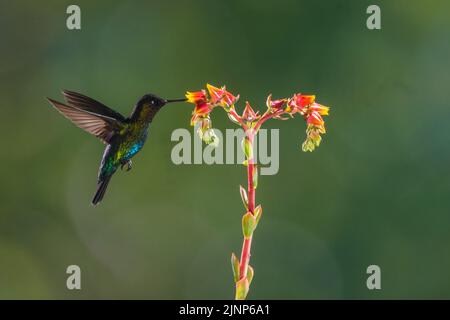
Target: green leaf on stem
{"points": [[248, 224], [250, 273], [244, 197], [242, 287], [258, 213], [255, 177], [235, 267], [247, 148]]}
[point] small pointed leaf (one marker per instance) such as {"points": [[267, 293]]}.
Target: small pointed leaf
{"points": [[255, 177], [247, 148], [235, 267], [250, 273], [258, 213], [244, 197], [248, 224], [242, 287]]}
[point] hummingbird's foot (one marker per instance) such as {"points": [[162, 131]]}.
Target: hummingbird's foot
{"points": [[129, 165]]}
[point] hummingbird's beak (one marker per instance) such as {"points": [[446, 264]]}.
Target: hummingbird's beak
{"points": [[176, 100]]}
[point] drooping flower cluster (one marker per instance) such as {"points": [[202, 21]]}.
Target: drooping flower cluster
{"points": [[205, 102], [305, 105], [312, 112]]}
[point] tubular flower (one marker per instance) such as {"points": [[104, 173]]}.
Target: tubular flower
{"points": [[228, 99], [201, 110], [313, 137], [220, 96], [322, 110], [299, 102], [205, 102], [314, 118], [315, 125], [196, 97], [303, 100], [206, 132], [249, 114], [215, 93], [275, 105], [312, 112]]}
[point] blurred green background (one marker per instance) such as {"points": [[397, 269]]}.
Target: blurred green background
{"points": [[375, 192]]}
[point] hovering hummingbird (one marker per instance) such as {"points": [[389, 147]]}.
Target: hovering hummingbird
{"points": [[124, 137]]}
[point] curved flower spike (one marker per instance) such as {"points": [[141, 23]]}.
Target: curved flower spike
{"points": [[316, 125], [205, 101]]}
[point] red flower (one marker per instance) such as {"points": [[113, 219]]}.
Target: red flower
{"points": [[249, 114], [201, 110], [206, 100], [229, 99], [220, 96], [215, 93], [298, 102], [275, 104], [315, 118], [196, 97], [303, 101], [316, 126], [312, 112], [202, 107]]}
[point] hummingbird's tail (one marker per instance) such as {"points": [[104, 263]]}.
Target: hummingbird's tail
{"points": [[101, 189]]}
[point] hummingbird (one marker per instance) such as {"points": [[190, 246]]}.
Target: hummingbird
{"points": [[124, 137]]}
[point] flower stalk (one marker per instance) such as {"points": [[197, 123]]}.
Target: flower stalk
{"points": [[250, 121]]}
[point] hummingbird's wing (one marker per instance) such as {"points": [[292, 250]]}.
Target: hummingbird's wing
{"points": [[83, 102], [101, 126]]}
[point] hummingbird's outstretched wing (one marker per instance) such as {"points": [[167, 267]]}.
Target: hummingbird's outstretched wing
{"points": [[102, 126], [83, 102]]}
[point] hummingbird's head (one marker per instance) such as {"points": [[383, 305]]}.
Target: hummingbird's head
{"points": [[149, 105], [155, 101], [152, 100]]}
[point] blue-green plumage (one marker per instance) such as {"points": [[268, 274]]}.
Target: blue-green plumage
{"points": [[124, 137]]}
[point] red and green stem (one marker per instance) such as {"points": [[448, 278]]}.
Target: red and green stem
{"points": [[247, 244]]}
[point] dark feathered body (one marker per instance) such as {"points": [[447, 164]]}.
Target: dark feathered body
{"points": [[124, 146], [124, 137]]}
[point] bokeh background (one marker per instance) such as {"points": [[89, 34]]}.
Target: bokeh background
{"points": [[375, 192]]}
